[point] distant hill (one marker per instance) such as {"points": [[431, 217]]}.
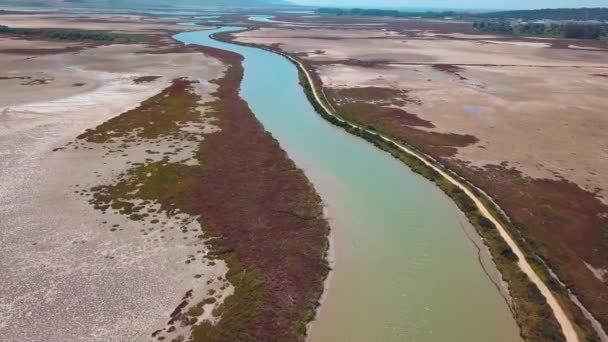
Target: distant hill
{"points": [[142, 3]]}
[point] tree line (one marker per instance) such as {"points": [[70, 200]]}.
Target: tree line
{"points": [[72, 35], [563, 14], [578, 30], [384, 13], [576, 14]]}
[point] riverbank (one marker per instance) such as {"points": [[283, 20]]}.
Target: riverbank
{"points": [[286, 284], [532, 312]]}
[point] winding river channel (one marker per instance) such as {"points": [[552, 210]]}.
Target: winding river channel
{"points": [[404, 265]]}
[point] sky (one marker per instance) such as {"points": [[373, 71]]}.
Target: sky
{"points": [[480, 4]]}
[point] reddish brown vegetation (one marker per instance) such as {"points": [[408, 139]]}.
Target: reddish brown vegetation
{"points": [[377, 95], [14, 78], [450, 69], [374, 108], [377, 63], [158, 116], [145, 79], [266, 213], [177, 313], [40, 52], [351, 103]]}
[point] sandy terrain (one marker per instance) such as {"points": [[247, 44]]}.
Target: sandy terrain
{"points": [[71, 273], [9, 43], [419, 50], [267, 32]]}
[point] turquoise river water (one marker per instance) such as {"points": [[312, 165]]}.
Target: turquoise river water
{"points": [[403, 266]]}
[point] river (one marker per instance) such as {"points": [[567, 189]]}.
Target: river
{"points": [[404, 267]]}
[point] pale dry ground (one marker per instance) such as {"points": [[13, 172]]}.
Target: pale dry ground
{"points": [[429, 50], [65, 275], [10, 43], [540, 120], [289, 24], [95, 22], [459, 35], [267, 32], [583, 47]]}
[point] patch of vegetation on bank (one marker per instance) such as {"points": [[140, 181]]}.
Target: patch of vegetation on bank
{"points": [[574, 30], [273, 223], [377, 95], [145, 79], [259, 212], [450, 69], [161, 115], [375, 113], [73, 35], [15, 78], [162, 182]]}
